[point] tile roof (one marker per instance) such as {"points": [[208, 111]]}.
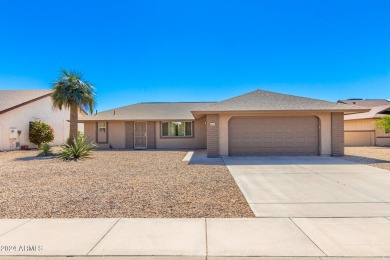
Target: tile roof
{"points": [[150, 111], [366, 102], [260, 100], [10, 99]]}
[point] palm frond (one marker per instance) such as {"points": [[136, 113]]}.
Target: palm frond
{"points": [[70, 89]]}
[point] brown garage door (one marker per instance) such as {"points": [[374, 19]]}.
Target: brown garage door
{"points": [[273, 135]]}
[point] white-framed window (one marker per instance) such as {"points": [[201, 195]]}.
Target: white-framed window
{"points": [[177, 129], [102, 127], [102, 132]]}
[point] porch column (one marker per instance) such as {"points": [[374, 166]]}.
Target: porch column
{"points": [[213, 135], [338, 134]]}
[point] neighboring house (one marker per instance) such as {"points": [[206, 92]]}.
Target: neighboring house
{"points": [[256, 123], [360, 129], [20, 107]]}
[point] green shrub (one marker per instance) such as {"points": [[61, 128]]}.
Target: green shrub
{"points": [[40, 132], [45, 150], [78, 149]]}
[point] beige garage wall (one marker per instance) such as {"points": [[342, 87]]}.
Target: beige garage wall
{"points": [[358, 125], [382, 139], [325, 135], [199, 141], [359, 138], [356, 138], [116, 134], [38, 110]]}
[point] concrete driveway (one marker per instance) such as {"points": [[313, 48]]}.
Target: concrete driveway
{"points": [[311, 186]]}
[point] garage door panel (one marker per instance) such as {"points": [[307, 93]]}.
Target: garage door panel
{"points": [[273, 135]]}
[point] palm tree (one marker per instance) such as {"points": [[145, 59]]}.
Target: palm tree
{"points": [[70, 91]]}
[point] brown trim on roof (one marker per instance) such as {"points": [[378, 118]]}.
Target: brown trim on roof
{"points": [[363, 118], [132, 119], [355, 131], [353, 110], [24, 103]]}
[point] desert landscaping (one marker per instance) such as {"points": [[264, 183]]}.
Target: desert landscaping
{"points": [[133, 184], [371, 155]]}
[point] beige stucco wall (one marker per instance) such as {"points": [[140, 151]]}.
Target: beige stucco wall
{"points": [[382, 138], [360, 138], [324, 118], [380, 141], [359, 125], [199, 141], [41, 109], [90, 131], [116, 134], [379, 136]]}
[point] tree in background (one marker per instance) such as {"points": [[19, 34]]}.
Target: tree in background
{"points": [[383, 123], [71, 91]]}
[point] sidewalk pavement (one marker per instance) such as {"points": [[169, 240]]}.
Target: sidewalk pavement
{"points": [[197, 238]]}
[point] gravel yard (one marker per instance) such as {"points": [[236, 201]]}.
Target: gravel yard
{"points": [[136, 184], [371, 155]]}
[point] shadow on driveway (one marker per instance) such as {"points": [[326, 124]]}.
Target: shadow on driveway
{"points": [[286, 160]]}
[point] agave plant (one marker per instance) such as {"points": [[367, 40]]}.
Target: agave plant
{"points": [[45, 150], [78, 149]]}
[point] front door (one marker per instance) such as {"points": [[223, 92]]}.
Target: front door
{"points": [[140, 135]]}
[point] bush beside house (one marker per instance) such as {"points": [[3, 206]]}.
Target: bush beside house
{"points": [[40, 133]]}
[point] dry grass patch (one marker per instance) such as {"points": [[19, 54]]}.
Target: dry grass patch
{"points": [[371, 155], [144, 184]]}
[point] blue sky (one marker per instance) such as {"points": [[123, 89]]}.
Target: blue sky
{"points": [[137, 51]]}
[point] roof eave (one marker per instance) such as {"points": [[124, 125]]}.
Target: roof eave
{"points": [[374, 117], [345, 111], [132, 120]]}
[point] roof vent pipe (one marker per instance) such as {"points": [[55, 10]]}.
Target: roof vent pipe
{"points": [[114, 112]]}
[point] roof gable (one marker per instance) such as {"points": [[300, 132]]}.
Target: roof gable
{"points": [[375, 112], [11, 99], [370, 103], [260, 100]]}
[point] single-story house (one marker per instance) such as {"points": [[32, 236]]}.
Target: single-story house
{"points": [[360, 129], [256, 123], [20, 107]]}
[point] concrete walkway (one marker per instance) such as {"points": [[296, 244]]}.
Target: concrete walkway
{"points": [[197, 238]]}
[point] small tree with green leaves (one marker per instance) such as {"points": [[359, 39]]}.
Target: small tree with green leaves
{"points": [[40, 132], [383, 123]]}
